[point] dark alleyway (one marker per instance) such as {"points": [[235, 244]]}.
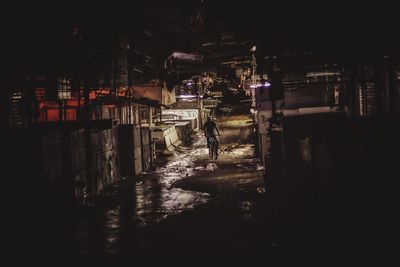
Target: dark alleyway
{"points": [[193, 211], [190, 208], [104, 159]]}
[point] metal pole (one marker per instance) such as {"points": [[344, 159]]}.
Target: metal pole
{"points": [[60, 110], [87, 137], [65, 109], [150, 116]]}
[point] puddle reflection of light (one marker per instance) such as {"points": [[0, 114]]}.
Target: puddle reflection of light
{"points": [[177, 200], [261, 190], [211, 166], [159, 199], [246, 208], [152, 207], [111, 225], [200, 152], [112, 239]]}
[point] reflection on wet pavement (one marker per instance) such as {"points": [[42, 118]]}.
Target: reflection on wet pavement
{"points": [[169, 202], [182, 183]]}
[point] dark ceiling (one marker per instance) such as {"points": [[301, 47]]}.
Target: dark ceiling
{"points": [[157, 28]]}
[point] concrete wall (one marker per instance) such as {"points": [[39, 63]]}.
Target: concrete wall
{"points": [[184, 130], [166, 138], [185, 114]]}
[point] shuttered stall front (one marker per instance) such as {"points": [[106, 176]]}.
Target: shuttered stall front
{"points": [[366, 86], [64, 161], [78, 163], [130, 154], [137, 150], [110, 152], [52, 159], [103, 146], [95, 170], [146, 148]]}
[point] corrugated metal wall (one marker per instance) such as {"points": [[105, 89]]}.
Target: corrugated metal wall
{"points": [[146, 149], [78, 162], [64, 161], [137, 148], [104, 151]]}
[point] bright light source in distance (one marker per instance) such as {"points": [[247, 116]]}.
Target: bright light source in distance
{"points": [[189, 96], [266, 84], [187, 56]]}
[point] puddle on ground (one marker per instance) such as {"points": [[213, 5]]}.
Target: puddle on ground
{"points": [[153, 206], [246, 210], [111, 230], [261, 190], [153, 198], [211, 166]]}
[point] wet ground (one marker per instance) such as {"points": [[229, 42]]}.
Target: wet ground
{"points": [[190, 210], [194, 211]]}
